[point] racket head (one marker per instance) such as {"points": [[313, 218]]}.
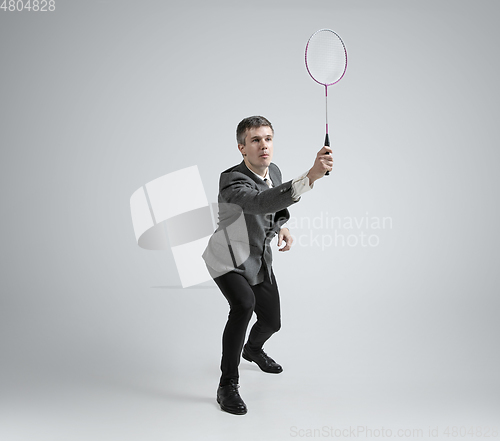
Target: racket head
{"points": [[326, 57]]}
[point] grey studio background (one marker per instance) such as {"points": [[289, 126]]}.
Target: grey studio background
{"points": [[97, 98]]}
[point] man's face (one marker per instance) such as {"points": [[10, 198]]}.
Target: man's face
{"points": [[258, 149]]}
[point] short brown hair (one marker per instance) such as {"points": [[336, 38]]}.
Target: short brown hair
{"points": [[249, 123]]}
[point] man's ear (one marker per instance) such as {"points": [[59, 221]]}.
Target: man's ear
{"points": [[241, 149]]}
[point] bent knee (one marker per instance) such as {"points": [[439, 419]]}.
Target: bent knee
{"points": [[243, 308], [273, 326]]}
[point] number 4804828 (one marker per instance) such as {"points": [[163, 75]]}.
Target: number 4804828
{"points": [[28, 5]]}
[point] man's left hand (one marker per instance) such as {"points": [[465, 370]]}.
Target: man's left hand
{"points": [[284, 235]]}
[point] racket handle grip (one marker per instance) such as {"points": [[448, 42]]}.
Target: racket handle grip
{"points": [[327, 143]]}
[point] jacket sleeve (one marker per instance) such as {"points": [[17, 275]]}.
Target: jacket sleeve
{"points": [[237, 188]]}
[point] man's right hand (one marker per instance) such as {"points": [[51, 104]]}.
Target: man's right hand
{"points": [[322, 164]]}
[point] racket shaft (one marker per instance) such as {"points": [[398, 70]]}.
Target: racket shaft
{"points": [[326, 108], [327, 138]]}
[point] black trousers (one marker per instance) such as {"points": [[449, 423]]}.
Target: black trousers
{"points": [[244, 299]]}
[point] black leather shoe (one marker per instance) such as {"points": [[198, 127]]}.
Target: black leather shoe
{"points": [[229, 399], [266, 363]]}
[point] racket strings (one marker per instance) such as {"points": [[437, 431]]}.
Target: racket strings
{"points": [[326, 57]]}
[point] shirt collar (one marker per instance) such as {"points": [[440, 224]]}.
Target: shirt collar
{"points": [[265, 177]]}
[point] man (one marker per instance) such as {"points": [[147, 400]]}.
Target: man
{"points": [[252, 210]]}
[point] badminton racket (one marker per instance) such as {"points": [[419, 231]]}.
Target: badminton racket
{"points": [[326, 62]]}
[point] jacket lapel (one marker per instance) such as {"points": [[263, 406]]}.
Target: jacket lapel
{"points": [[274, 176], [242, 167]]}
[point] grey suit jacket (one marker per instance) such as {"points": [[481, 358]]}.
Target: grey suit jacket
{"points": [[250, 215]]}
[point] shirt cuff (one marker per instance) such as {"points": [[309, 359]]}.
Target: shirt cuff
{"points": [[300, 185]]}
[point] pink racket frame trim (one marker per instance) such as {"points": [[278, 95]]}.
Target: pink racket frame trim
{"points": [[345, 51]]}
